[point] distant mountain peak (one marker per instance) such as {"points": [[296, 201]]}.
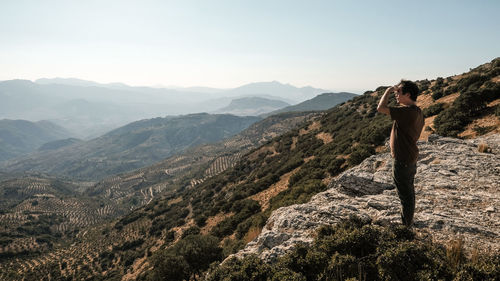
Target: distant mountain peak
{"points": [[252, 106]]}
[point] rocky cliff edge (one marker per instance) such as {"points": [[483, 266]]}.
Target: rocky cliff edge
{"points": [[457, 197]]}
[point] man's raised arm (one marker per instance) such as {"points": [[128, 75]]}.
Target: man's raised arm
{"points": [[382, 105]]}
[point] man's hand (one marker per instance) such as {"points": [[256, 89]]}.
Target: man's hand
{"points": [[382, 105]]}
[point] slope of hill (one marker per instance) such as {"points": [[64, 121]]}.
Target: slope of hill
{"points": [[460, 170], [320, 102], [252, 106], [52, 145], [194, 165], [132, 146], [66, 213], [184, 231], [18, 137], [456, 208]]}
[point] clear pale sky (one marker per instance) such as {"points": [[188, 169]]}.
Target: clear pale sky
{"points": [[335, 45]]}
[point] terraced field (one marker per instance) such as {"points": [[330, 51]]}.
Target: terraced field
{"points": [[194, 166], [79, 260], [36, 212], [78, 217]]}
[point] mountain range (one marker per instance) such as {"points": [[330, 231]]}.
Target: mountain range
{"points": [[130, 147], [88, 109], [147, 141]]}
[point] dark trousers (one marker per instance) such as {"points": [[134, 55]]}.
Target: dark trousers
{"points": [[403, 175]]}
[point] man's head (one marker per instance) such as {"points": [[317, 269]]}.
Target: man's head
{"points": [[409, 87]]}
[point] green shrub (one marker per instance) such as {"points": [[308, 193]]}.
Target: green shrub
{"points": [[169, 267], [354, 249], [437, 94], [451, 121], [186, 259], [359, 154], [433, 110], [483, 130], [471, 82], [335, 166], [249, 269], [193, 230], [243, 209], [412, 261]]}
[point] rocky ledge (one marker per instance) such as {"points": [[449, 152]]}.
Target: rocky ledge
{"points": [[457, 197]]}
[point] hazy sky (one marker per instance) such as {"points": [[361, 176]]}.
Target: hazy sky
{"points": [[336, 45]]}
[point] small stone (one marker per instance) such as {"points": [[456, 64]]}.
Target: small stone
{"points": [[490, 209]]}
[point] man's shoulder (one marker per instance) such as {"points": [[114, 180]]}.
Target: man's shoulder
{"points": [[400, 112], [415, 108], [411, 109]]}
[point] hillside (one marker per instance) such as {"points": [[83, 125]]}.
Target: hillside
{"points": [[53, 145], [60, 208], [461, 171], [252, 106], [458, 208], [131, 147], [320, 102], [18, 137], [194, 165], [180, 233]]}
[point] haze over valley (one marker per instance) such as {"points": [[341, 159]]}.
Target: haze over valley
{"points": [[88, 109]]}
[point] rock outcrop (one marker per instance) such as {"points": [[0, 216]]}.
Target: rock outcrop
{"points": [[457, 197]]}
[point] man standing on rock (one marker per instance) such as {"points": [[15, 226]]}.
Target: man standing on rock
{"points": [[406, 129]]}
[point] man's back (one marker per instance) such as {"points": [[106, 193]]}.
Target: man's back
{"points": [[406, 129]]}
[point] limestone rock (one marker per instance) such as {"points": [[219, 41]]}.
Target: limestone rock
{"points": [[457, 196]]}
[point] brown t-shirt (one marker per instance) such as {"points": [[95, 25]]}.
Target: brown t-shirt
{"points": [[406, 129]]}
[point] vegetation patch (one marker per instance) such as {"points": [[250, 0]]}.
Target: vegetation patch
{"points": [[358, 250]]}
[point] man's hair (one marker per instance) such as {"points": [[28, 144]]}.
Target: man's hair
{"points": [[410, 88]]}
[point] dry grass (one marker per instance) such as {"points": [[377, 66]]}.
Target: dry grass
{"points": [[174, 201], [483, 148], [493, 103], [325, 137], [252, 233], [138, 266], [424, 101], [294, 143], [448, 98], [213, 221], [424, 135], [455, 252], [264, 196], [436, 161], [381, 149], [314, 126], [309, 158], [256, 154], [486, 121]]}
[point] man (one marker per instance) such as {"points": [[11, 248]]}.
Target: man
{"points": [[406, 129]]}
